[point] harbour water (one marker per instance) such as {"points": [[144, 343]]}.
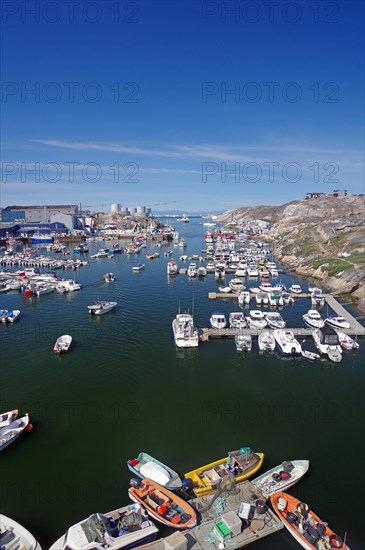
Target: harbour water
{"points": [[124, 388]]}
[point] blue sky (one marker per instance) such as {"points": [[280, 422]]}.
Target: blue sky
{"points": [[134, 106]]}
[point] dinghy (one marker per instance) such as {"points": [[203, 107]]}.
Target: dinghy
{"points": [[62, 344], [346, 341], [162, 505], [304, 525], [281, 477], [145, 466], [310, 355]]}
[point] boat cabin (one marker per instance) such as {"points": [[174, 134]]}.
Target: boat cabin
{"points": [[328, 336]]}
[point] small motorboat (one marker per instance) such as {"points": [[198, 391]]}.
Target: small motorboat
{"points": [[256, 319], [218, 320], [237, 466], [310, 355], [3, 315], [202, 272], [185, 333], [274, 320], [337, 321], [313, 319], [262, 298], [145, 466], [281, 477], [62, 344], [14, 536], [172, 268], [243, 341], [287, 342], [295, 289], [162, 504], [244, 298], [8, 417], [266, 341], [236, 285], [126, 527], [13, 315], [327, 342], [224, 289], [303, 524], [109, 277], [101, 307], [237, 320], [10, 432], [137, 268], [346, 341], [287, 298], [192, 270]]}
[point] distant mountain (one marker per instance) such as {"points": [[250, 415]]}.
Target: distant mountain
{"points": [[182, 212]]}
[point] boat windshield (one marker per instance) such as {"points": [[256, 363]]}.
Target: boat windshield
{"points": [[94, 527]]}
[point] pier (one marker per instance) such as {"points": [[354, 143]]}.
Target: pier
{"points": [[210, 509], [221, 295]]}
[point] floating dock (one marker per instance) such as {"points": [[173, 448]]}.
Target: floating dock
{"points": [[210, 509], [221, 295]]}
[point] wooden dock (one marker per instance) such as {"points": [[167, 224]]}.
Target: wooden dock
{"points": [[210, 509], [206, 334], [221, 295], [356, 327]]}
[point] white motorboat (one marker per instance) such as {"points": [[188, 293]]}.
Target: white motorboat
{"points": [[14, 536], [182, 243], [10, 432], [256, 319], [287, 298], [274, 272], [185, 333], [327, 342], [218, 320], [183, 258], [237, 320], [109, 277], [210, 266], [224, 289], [12, 315], [317, 297], [3, 315], [275, 320], [192, 270], [62, 344], [101, 307], [346, 341], [8, 417], [201, 272], [123, 528], [236, 285], [67, 285], [262, 298], [138, 268], [243, 341], [101, 254], [276, 299], [265, 286], [40, 290], [266, 341], [337, 321], [252, 271], [185, 219], [172, 268], [287, 342], [244, 297], [254, 290], [220, 273], [281, 477], [240, 272], [313, 319], [295, 289]]}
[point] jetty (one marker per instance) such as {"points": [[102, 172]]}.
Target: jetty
{"points": [[222, 507]]}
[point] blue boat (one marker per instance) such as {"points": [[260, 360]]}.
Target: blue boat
{"points": [[145, 466]]}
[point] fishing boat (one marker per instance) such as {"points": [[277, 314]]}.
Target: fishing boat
{"points": [[337, 321], [281, 477], [14, 536], [237, 320], [327, 342], [218, 320], [62, 344], [274, 320], [122, 528], [244, 298], [145, 466], [256, 319], [8, 417], [101, 307], [243, 341], [185, 333], [238, 466], [138, 268], [12, 431], [305, 526], [313, 319], [346, 341], [287, 342], [172, 268], [162, 504], [13, 315], [109, 277], [266, 341]]}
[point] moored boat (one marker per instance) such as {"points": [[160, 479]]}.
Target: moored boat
{"points": [[122, 528], [185, 333], [274, 320], [237, 320], [281, 477], [337, 321], [304, 525], [172, 268], [287, 342], [62, 344], [12, 431], [346, 341], [162, 504], [8, 417], [238, 465], [145, 466], [295, 289], [218, 320], [327, 342], [266, 341], [256, 319], [313, 319], [244, 297], [101, 307], [243, 341], [12, 315], [14, 536]]}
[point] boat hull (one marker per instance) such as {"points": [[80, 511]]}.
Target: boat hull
{"points": [[173, 484], [269, 487]]}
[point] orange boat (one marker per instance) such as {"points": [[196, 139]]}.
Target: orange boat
{"points": [[305, 525], [162, 504]]}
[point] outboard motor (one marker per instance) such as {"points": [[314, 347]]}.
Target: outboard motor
{"points": [[261, 506], [293, 351], [188, 484], [276, 477], [134, 482]]}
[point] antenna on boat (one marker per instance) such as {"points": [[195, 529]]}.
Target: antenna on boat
{"points": [[192, 313]]}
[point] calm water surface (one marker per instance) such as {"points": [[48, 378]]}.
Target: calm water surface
{"points": [[124, 388]]}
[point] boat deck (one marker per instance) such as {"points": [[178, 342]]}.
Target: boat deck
{"points": [[211, 507]]}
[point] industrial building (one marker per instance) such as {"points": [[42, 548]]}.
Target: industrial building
{"points": [[66, 214]]}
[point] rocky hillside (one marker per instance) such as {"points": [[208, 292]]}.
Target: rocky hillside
{"points": [[321, 238]]}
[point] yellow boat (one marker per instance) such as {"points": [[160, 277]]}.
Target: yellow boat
{"points": [[238, 466]]}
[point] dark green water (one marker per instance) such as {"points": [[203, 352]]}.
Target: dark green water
{"points": [[124, 388]]}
